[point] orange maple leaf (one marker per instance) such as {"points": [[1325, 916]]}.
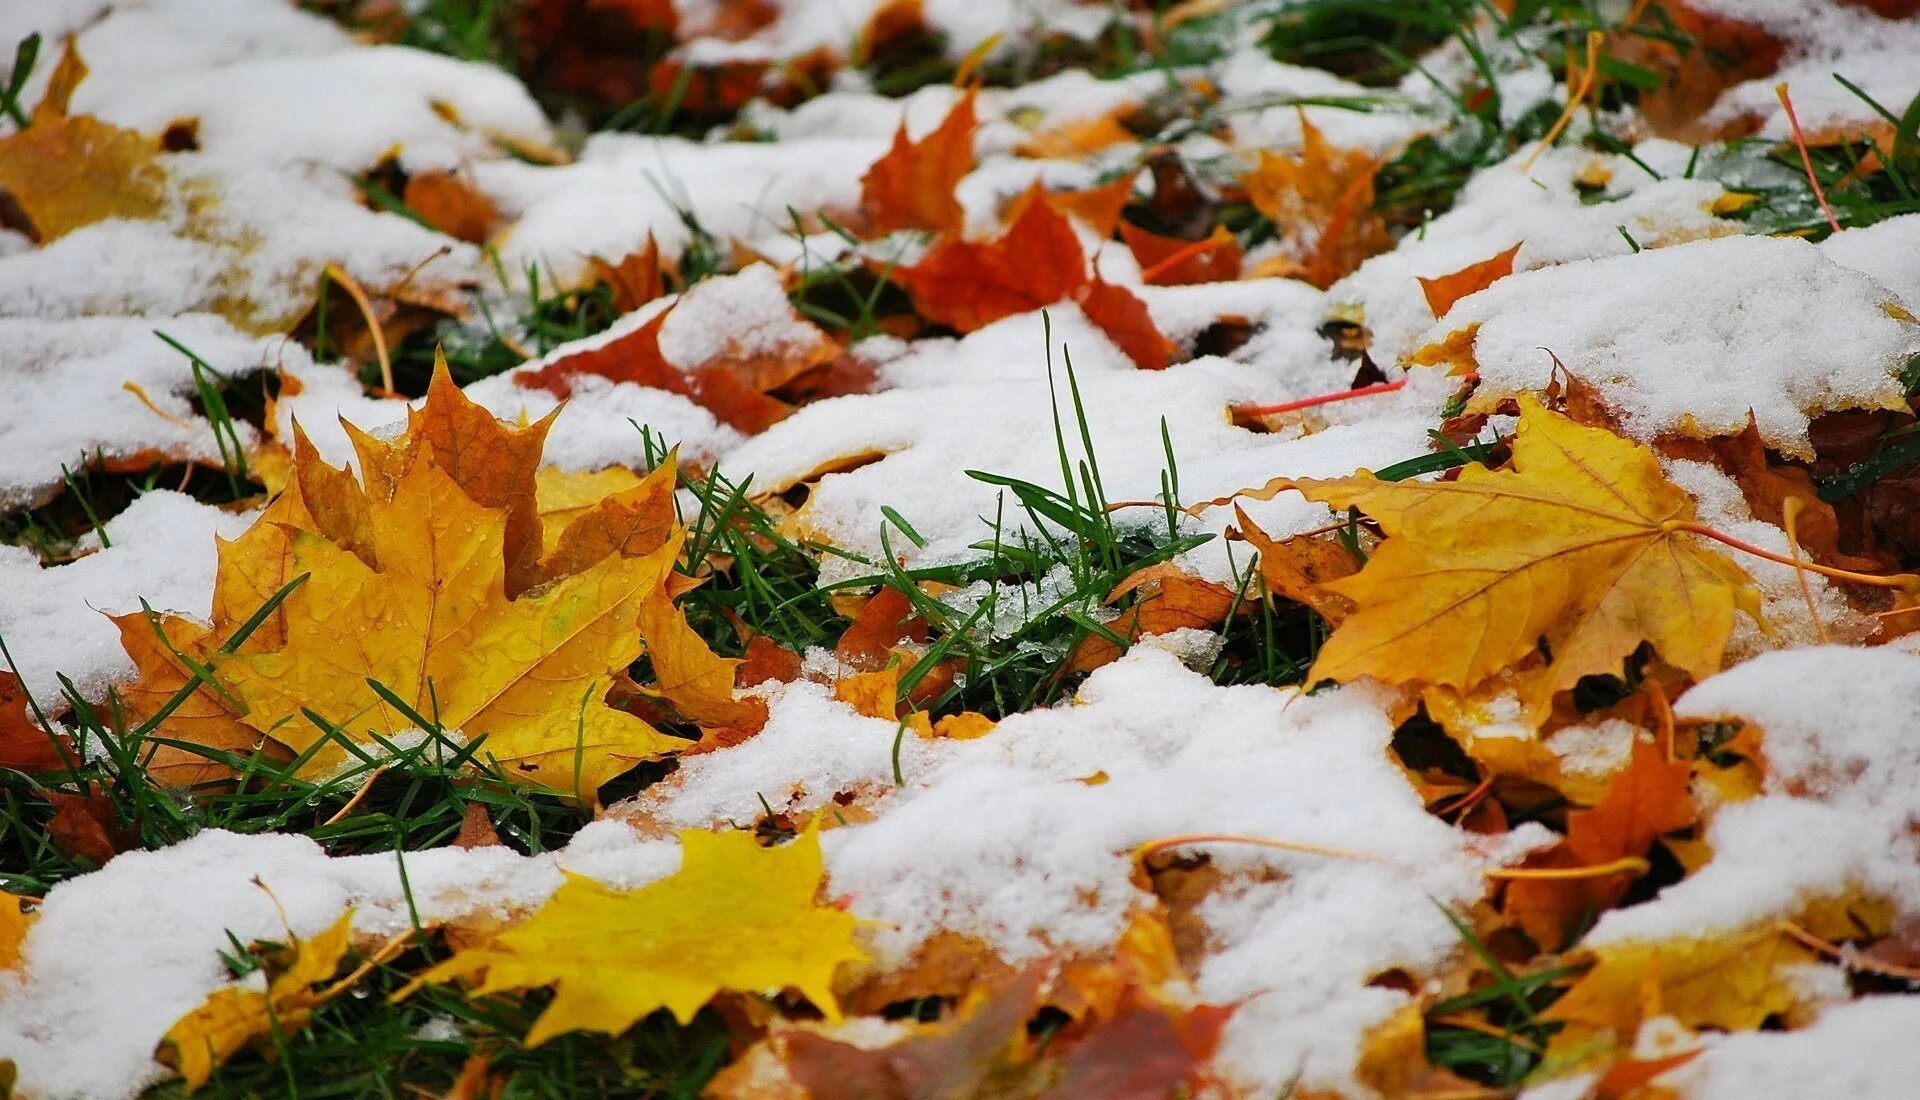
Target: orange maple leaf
{"points": [[1170, 261], [911, 187], [1321, 201], [734, 388], [1035, 263], [1645, 801], [971, 284], [1445, 290]]}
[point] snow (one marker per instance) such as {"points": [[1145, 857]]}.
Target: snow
{"points": [[622, 188], [69, 402], [117, 956], [1689, 339], [1839, 794], [1863, 1050], [1023, 838], [1543, 212], [54, 619]]}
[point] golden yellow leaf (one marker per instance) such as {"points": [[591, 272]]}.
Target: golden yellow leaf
{"points": [[1573, 553], [205, 717], [736, 916], [14, 923], [409, 584], [434, 627], [235, 1015], [565, 495], [68, 171]]}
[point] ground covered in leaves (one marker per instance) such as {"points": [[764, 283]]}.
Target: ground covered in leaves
{"points": [[922, 549]]}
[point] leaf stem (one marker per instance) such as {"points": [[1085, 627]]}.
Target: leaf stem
{"points": [[1907, 581], [1320, 399], [1161, 844], [1806, 158], [352, 286], [1625, 864]]}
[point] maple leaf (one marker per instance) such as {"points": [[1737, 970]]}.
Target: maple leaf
{"points": [[1322, 203], [636, 279], [1298, 568], [1443, 291], [736, 917], [452, 205], [1148, 1049], [1573, 551], [411, 585], [734, 385], [1170, 261], [14, 923], [967, 285], [234, 1016], [1121, 314], [1099, 207], [955, 1058], [911, 187], [67, 171], [1035, 263], [24, 746], [1646, 800]]}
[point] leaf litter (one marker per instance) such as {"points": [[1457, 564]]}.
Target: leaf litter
{"points": [[929, 550]]}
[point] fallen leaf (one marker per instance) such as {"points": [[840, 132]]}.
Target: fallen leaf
{"points": [[1148, 1050], [1170, 261], [1732, 982], [14, 923], [24, 746], [951, 1059], [636, 279], [1168, 598], [886, 620], [83, 826], [911, 187], [1570, 552], [476, 828], [767, 661], [1077, 140], [68, 171], [436, 621], [736, 916], [235, 1016], [1445, 290], [1121, 314], [452, 205], [1099, 207], [1647, 799], [1298, 568], [1321, 201], [967, 285]]}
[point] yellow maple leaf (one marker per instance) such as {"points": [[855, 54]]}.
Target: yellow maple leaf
{"points": [[428, 581], [235, 1015], [68, 171], [1570, 559], [14, 923], [736, 916]]}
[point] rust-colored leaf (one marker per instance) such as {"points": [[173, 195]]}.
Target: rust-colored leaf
{"points": [[452, 205], [1170, 261], [967, 285], [1445, 290], [911, 187], [24, 746], [1121, 314]]}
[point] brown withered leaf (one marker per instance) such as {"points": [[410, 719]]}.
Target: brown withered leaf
{"points": [[452, 205]]}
